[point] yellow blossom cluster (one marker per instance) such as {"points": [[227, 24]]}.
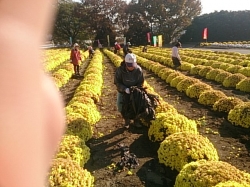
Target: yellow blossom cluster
{"points": [[183, 85], [233, 80], [231, 184], [74, 148], [226, 104], [243, 85], [195, 90], [213, 73], [68, 173], [53, 59], [208, 98], [240, 115], [209, 173], [179, 149], [168, 123]]}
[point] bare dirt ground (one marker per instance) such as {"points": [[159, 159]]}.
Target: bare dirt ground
{"points": [[109, 134]]}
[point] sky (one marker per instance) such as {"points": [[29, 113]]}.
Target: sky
{"points": [[209, 6]]}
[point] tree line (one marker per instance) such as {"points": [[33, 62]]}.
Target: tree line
{"points": [[96, 19], [222, 26]]}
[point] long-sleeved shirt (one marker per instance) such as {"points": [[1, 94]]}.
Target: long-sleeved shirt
{"points": [[75, 56], [175, 52], [125, 79], [125, 49]]}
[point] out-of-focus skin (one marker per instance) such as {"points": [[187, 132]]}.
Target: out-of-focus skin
{"points": [[31, 108]]}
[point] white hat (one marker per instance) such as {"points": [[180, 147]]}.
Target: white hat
{"points": [[76, 45], [130, 60]]}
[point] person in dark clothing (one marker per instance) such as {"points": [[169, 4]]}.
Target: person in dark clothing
{"points": [[127, 75], [91, 52], [145, 49], [126, 48]]}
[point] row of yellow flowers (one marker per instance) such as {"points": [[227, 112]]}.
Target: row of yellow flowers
{"points": [[54, 58], [81, 115], [194, 88], [64, 70], [229, 75], [199, 56]]}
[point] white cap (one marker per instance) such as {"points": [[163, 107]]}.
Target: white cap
{"points": [[76, 45], [130, 60]]}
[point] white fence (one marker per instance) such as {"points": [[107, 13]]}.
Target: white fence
{"points": [[47, 46]]}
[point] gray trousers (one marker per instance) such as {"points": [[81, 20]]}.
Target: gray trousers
{"points": [[119, 101]]}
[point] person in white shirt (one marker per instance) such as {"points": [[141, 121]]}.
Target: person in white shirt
{"points": [[175, 55]]}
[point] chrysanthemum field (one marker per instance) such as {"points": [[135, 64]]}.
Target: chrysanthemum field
{"points": [[200, 137]]}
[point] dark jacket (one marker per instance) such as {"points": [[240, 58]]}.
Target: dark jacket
{"points": [[139, 105], [126, 49], [125, 79]]}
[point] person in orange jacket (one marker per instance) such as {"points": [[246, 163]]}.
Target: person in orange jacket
{"points": [[32, 117], [75, 57]]}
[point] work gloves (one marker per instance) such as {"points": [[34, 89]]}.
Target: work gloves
{"points": [[127, 91]]}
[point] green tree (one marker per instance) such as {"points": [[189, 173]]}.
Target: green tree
{"points": [[137, 25], [105, 17], [222, 26], [70, 22], [167, 17]]}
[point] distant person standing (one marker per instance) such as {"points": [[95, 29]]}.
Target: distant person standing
{"points": [[175, 55], [100, 45], [91, 52], [145, 49], [75, 57], [126, 48], [117, 47]]}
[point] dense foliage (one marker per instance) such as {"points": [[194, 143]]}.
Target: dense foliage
{"points": [[167, 17], [70, 22], [209, 173], [222, 26], [95, 20]]}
